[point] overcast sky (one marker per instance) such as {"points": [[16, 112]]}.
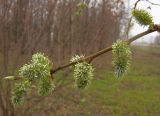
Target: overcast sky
{"points": [[155, 11]]}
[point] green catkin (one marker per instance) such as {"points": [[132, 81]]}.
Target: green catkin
{"points": [[143, 17], [37, 71], [46, 86], [19, 91], [75, 58], [83, 72], [121, 57], [39, 67]]}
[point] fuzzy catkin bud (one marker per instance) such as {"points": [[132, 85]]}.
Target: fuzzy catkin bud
{"points": [[76, 58], [121, 57], [83, 72], [37, 71], [19, 91], [46, 86], [143, 17], [39, 67]]}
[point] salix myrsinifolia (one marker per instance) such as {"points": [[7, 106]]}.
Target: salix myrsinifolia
{"points": [[38, 71]]}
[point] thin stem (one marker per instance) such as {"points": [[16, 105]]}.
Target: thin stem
{"points": [[140, 35], [130, 19], [91, 57], [99, 53], [152, 3]]}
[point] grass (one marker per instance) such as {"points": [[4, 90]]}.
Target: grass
{"points": [[133, 95], [137, 94]]}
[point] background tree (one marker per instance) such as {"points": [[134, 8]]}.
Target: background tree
{"points": [[52, 26]]}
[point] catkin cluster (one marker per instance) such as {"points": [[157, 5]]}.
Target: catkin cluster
{"points": [[35, 72]]}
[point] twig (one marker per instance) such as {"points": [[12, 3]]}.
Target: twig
{"points": [[152, 3], [90, 58], [130, 20], [95, 55]]}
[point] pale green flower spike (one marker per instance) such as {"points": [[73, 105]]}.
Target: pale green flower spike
{"points": [[76, 58], [37, 71], [19, 91], [46, 86], [121, 57], [39, 67], [83, 73], [143, 17]]}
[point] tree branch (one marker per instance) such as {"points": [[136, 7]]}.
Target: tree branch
{"points": [[95, 55], [152, 3], [90, 58], [130, 19]]}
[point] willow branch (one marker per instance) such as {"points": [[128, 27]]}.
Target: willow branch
{"points": [[152, 3], [91, 57], [99, 53], [130, 19]]}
